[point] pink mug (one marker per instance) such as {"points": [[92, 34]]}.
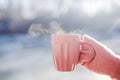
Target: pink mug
{"points": [[65, 51]]}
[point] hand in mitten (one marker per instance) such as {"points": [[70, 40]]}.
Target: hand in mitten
{"points": [[98, 58]]}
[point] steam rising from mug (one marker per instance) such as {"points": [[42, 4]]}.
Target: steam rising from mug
{"points": [[38, 29]]}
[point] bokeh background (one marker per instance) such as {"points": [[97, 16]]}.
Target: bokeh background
{"points": [[26, 27]]}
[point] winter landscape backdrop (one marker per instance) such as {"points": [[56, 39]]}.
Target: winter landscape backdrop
{"points": [[25, 54]]}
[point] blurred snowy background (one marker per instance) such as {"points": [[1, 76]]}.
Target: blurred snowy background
{"points": [[24, 57]]}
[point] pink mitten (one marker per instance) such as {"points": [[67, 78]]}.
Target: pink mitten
{"points": [[98, 58]]}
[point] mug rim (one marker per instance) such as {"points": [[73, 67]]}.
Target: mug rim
{"points": [[56, 35]]}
